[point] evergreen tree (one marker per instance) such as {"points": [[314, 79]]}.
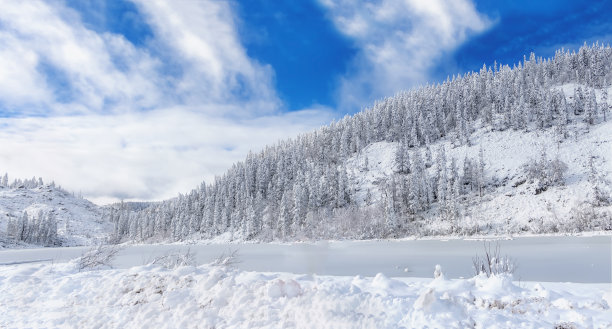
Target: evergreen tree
{"points": [[604, 103], [598, 184], [590, 107], [284, 219]]}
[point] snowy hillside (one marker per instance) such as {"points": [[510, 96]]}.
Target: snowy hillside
{"points": [[511, 204], [79, 222], [506, 150]]}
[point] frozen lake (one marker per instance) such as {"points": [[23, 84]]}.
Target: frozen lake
{"points": [[558, 259]]}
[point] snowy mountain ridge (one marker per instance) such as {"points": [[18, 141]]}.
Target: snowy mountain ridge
{"points": [[77, 221]]}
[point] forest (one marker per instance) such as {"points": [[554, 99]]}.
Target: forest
{"points": [[299, 188]]}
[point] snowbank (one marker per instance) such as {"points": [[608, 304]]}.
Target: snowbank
{"points": [[51, 296]]}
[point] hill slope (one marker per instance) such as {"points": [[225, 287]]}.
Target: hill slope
{"points": [[78, 221], [512, 203]]}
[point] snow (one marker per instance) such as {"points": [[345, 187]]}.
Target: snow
{"points": [[79, 221], [568, 91], [555, 258], [510, 205], [51, 296], [368, 169]]}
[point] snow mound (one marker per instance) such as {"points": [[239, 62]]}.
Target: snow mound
{"points": [[221, 297]]}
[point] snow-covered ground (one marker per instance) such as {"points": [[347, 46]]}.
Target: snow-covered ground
{"points": [[59, 296], [80, 222], [561, 259]]}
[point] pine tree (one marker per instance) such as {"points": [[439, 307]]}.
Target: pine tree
{"points": [[342, 190], [481, 172], [300, 207], [51, 229], [599, 196], [389, 206], [401, 158], [250, 221], [590, 113], [23, 228], [442, 176], [284, 216], [468, 179], [578, 101], [604, 102], [11, 229]]}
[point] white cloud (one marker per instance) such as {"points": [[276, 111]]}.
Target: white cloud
{"points": [[399, 42], [195, 57], [203, 39], [142, 156], [62, 57], [20, 82], [113, 120]]}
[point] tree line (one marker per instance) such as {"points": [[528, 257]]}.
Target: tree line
{"points": [[40, 229]]}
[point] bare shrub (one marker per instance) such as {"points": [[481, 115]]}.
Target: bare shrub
{"points": [[492, 262], [98, 257], [565, 325], [227, 259], [586, 217], [545, 172], [176, 258], [438, 272]]}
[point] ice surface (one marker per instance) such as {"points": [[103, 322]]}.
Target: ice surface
{"points": [[554, 258]]}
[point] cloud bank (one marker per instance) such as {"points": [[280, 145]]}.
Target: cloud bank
{"points": [[139, 156], [399, 42]]}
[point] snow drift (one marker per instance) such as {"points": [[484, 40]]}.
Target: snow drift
{"points": [[49, 296]]}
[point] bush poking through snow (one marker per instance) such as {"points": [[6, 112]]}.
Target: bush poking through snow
{"points": [[545, 173], [174, 259], [438, 272], [226, 259], [493, 263], [98, 257]]}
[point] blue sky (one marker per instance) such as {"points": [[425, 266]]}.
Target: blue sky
{"points": [[307, 52], [143, 99], [532, 26]]}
